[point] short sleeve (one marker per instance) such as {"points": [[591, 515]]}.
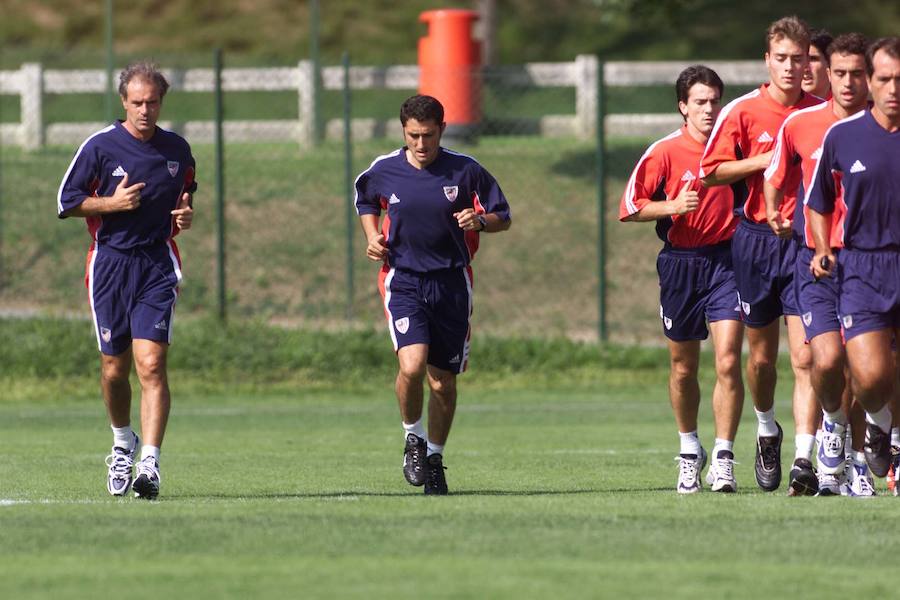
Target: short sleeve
{"points": [[823, 188], [80, 181], [642, 185], [365, 195], [723, 143], [489, 195]]}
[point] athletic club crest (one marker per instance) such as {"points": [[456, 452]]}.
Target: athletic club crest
{"points": [[745, 306], [402, 325], [668, 322], [173, 167], [105, 334], [451, 191], [847, 320], [807, 318]]}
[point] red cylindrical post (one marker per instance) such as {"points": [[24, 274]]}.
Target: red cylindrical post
{"points": [[449, 68]]}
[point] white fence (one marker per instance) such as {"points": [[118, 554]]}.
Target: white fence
{"points": [[31, 82]]}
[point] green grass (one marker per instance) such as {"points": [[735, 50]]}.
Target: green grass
{"points": [[295, 491]]}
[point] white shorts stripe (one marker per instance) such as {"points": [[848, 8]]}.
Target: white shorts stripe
{"points": [[387, 306]]}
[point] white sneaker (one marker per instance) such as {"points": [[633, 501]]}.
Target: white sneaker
{"points": [[146, 484], [830, 485], [689, 470], [120, 462], [720, 475], [830, 457], [862, 484]]}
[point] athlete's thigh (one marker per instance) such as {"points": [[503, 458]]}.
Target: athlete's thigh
{"points": [[111, 294], [682, 296], [404, 308], [154, 305], [450, 321]]}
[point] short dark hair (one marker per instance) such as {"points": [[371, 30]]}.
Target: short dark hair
{"points": [[696, 74], [890, 45], [820, 38], [793, 28], [422, 108], [847, 43], [145, 70]]}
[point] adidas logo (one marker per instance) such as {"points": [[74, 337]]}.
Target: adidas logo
{"points": [[857, 167], [394, 199], [455, 359], [688, 176], [160, 325], [119, 172], [817, 154], [764, 137]]}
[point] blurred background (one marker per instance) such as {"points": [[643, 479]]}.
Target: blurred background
{"points": [[565, 97]]}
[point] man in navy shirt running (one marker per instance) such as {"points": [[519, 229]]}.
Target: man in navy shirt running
{"points": [[437, 203], [861, 159], [133, 182]]}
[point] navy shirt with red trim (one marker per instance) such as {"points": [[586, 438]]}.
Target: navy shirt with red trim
{"points": [[421, 232], [862, 158], [164, 163]]}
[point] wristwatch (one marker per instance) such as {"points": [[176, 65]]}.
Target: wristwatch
{"points": [[483, 221]]}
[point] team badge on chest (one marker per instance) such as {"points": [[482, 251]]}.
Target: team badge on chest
{"points": [[451, 191], [173, 167]]}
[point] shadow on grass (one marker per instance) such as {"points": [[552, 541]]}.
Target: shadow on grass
{"points": [[411, 493]]}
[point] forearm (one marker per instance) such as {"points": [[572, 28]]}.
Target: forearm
{"points": [[369, 225], [734, 170], [494, 223], [94, 206], [773, 196], [820, 225], [653, 212]]}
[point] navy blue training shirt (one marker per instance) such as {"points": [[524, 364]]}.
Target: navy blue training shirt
{"points": [[421, 232], [862, 158], [164, 163]]}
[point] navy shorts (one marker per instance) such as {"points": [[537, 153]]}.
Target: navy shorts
{"points": [[764, 273], [695, 285], [433, 309], [132, 294], [817, 300], [870, 291]]}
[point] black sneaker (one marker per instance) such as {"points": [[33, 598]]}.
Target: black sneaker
{"points": [[435, 482], [878, 450], [414, 459], [768, 460], [804, 481]]}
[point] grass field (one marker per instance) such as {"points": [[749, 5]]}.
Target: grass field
{"points": [[276, 486]]}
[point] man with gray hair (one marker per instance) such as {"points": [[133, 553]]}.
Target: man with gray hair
{"points": [[133, 183]]}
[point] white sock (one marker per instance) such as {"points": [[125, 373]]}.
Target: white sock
{"points": [[895, 436], [804, 443], [882, 418], [123, 437], [859, 458], [727, 445], [435, 449], [690, 443], [766, 420], [834, 417], [150, 451], [415, 428]]}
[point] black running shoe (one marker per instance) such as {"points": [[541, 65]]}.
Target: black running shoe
{"points": [[414, 459], [435, 482], [878, 450], [768, 460], [804, 481]]}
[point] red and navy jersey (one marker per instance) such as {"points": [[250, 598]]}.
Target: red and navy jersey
{"points": [[861, 160], [797, 148], [660, 174], [164, 163], [421, 232], [747, 127]]}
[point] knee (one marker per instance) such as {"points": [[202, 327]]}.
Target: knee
{"points": [[151, 368], [683, 370], [412, 371], [801, 359], [115, 372], [443, 384], [761, 363], [728, 367]]}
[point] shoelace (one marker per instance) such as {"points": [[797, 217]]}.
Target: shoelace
{"points": [[770, 456], [687, 468], [148, 467], [865, 486], [120, 465], [724, 468], [436, 475], [833, 444]]}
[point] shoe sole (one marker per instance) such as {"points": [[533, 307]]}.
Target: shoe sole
{"points": [[725, 489], [803, 486], [145, 492]]}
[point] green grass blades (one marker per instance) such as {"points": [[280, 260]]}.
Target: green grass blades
{"points": [[299, 493]]}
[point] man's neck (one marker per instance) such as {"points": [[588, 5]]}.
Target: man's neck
{"points": [[782, 97], [842, 113], [891, 125]]}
